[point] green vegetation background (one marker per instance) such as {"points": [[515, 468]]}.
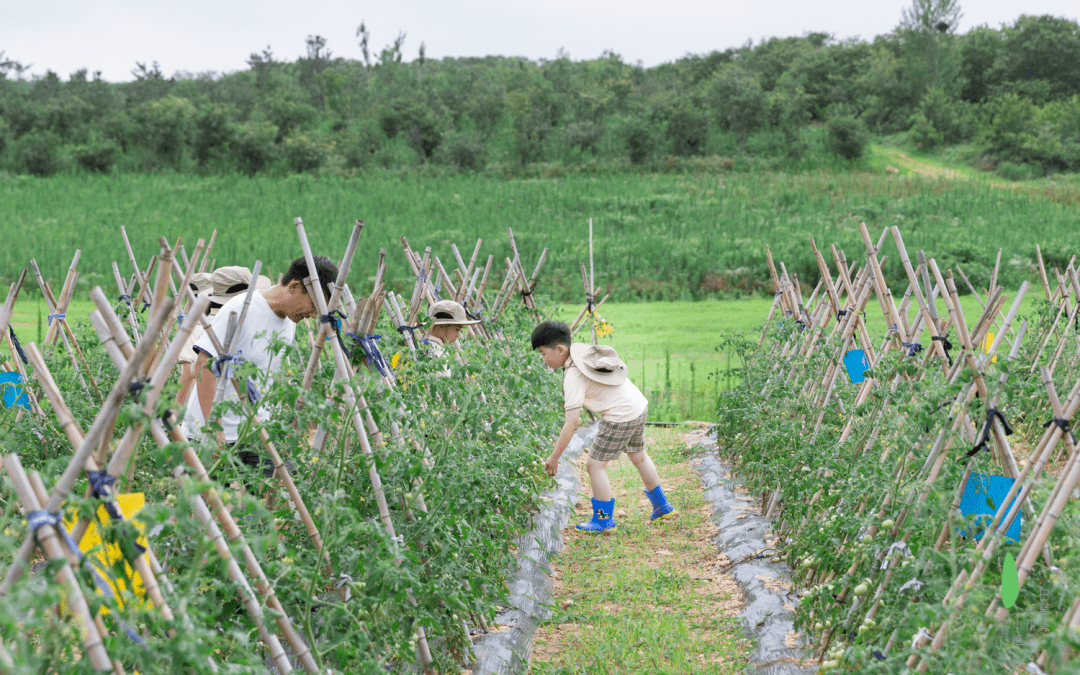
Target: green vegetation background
{"points": [[1006, 96]]}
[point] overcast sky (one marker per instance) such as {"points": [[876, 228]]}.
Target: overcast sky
{"points": [[203, 35]]}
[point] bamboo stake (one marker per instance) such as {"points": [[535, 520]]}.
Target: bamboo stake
{"points": [[206, 517], [352, 402], [206, 255], [51, 543]]}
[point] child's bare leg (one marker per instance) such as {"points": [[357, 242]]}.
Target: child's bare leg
{"points": [[645, 467], [598, 479]]}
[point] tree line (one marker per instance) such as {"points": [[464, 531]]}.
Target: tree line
{"points": [[1010, 96]]}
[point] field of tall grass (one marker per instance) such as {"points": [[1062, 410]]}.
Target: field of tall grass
{"points": [[695, 232]]}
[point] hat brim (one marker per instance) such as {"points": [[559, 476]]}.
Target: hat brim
{"points": [[451, 322], [617, 376]]}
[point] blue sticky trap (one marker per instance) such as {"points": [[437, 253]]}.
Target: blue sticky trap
{"points": [[14, 396], [856, 365], [982, 496]]}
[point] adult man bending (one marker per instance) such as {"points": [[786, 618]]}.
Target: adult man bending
{"points": [[272, 313]]}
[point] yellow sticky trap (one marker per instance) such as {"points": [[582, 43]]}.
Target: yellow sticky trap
{"points": [[987, 344], [104, 557]]}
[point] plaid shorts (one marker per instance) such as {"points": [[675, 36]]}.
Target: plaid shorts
{"points": [[614, 438]]}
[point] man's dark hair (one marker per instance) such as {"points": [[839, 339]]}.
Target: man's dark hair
{"points": [[550, 334], [298, 271]]}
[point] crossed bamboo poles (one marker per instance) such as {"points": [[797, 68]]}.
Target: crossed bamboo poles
{"points": [[145, 362], [789, 302]]}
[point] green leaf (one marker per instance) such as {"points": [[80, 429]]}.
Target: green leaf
{"points": [[1010, 582]]}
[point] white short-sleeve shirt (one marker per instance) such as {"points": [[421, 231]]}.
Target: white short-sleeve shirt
{"points": [[252, 342]]}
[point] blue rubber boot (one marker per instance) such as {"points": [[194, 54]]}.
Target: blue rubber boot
{"points": [[601, 520], [661, 507]]}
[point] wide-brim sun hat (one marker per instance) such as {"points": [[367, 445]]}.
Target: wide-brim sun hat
{"points": [[599, 363], [448, 312]]}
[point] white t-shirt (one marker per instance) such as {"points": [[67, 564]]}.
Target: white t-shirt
{"points": [[252, 342], [613, 402]]}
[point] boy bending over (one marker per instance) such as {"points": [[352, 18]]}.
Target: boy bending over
{"points": [[595, 377]]}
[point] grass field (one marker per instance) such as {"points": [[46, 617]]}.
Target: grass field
{"points": [[674, 236]]}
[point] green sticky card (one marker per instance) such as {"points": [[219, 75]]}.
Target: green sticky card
{"points": [[1010, 582]]}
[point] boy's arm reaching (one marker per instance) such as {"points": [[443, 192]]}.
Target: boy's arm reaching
{"points": [[551, 464]]}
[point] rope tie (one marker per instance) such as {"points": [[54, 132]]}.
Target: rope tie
{"points": [[984, 435], [335, 325], [421, 277], [124, 297], [99, 480], [589, 300], [135, 388], [913, 347], [526, 292], [166, 419], [38, 519], [231, 360], [945, 344], [369, 343], [841, 314], [893, 328], [58, 316], [15, 343], [227, 359], [145, 306], [1062, 424], [403, 328], [180, 316]]}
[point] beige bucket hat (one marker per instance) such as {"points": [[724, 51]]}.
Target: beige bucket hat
{"points": [[599, 363], [228, 282], [449, 312], [200, 282]]}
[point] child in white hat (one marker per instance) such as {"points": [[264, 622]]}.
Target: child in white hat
{"points": [[595, 377]]}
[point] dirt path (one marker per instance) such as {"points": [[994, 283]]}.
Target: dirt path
{"points": [[650, 597], [924, 168]]}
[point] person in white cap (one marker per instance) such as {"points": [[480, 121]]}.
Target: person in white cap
{"points": [[448, 318], [273, 312], [223, 285], [596, 378]]}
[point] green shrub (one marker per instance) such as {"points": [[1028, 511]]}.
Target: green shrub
{"points": [[923, 134], [639, 138], [421, 125], [582, 136], [1010, 171], [38, 153], [360, 143], [253, 146], [688, 131], [96, 155], [465, 151], [846, 137], [305, 152], [166, 127], [213, 132]]}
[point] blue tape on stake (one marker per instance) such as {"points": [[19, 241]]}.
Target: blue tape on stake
{"points": [[982, 496], [14, 396], [856, 365]]}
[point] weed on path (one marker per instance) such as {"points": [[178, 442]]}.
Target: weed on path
{"points": [[649, 597]]}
